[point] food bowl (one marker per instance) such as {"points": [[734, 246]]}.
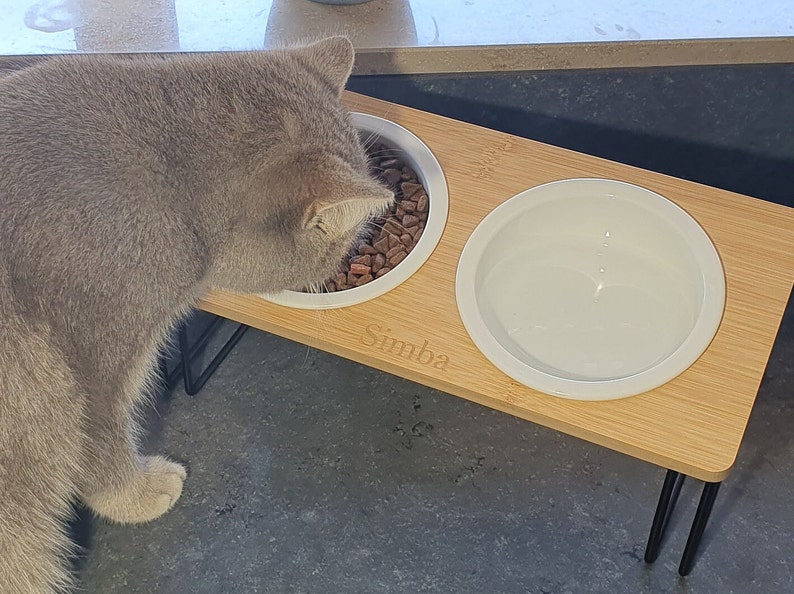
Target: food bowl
{"points": [[414, 153], [590, 289]]}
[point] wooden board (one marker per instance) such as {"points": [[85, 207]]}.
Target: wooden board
{"points": [[693, 424]]}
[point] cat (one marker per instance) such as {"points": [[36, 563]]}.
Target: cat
{"points": [[128, 187]]}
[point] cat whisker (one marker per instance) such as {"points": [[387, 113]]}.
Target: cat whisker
{"points": [[306, 357], [370, 139], [393, 222], [321, 324], [388, 149], [387, 152], [376, 160], [375, 225]]}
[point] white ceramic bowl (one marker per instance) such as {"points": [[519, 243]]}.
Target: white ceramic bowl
{"points": [[590, 289], [414, 153]]}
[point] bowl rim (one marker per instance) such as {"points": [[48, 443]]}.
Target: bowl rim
{"points": [[430, 173], [692, 347]]}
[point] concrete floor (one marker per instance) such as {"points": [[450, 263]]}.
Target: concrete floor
{"points": [[311, 474]]}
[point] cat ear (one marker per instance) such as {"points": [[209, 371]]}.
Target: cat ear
{"points": [[337, 216], [333, 57]]}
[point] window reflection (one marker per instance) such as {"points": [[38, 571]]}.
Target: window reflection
{"points": [[132, 25], [62, 26], [37, 27], [377, 24]]}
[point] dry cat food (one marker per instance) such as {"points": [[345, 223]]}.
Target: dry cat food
{"points": [[394, 234]]}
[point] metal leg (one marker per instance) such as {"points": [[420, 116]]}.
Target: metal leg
{"points": [[171, 379], [194, 384], [188, 353], [667, 500], [698, 527]]}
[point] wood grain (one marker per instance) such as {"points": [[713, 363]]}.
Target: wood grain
{"points": [[693, 424]]}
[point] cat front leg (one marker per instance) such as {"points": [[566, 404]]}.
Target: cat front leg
{"points": [[150, 487], [120, 484]]}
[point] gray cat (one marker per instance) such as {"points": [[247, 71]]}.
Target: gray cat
{"points": [[128, 187]]}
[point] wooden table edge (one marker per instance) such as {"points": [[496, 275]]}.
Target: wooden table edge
{"points": [[216, 302]]}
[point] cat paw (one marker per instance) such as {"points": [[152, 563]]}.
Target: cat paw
{"points": [[164, 486], [152, 492]]}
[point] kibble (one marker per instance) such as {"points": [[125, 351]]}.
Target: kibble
{"points": [[410, 221], [381, 246], [396, 259], [360, 269], [394, 251], [394, 241], [378, 262], [391, 176], [394, 234]]}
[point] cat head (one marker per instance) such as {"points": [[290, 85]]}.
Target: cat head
{"points": [[311, 196]]}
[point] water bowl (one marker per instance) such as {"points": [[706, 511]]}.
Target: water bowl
{"points": [[590, 289]]}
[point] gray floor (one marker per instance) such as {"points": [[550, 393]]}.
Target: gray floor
{"points": [[311, 474]]}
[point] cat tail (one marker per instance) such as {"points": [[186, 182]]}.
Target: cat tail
{"points": [[41, 444]]}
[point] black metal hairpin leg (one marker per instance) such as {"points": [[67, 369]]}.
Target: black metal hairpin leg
{"points": [[667, 500], [698, 527], [188, 353], [194, 384]]}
